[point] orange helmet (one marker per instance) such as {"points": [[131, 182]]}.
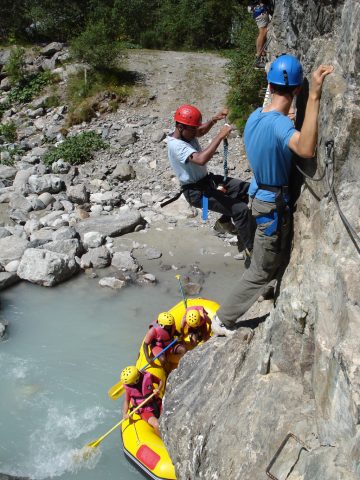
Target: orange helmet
{"points": [[188, 115]]}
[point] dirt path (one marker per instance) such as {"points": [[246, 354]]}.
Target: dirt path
{"points": [[180, 77]]}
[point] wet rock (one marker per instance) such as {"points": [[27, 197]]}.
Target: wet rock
{"points": [[8, 279], [192, 288], [112, 282], [124, 261], [111, 225], [152, 253], [149, 278], [96, 258], [46, 268], [3, 327]]}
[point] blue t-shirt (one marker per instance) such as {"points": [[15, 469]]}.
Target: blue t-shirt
{"points": [[266, 138], [178, 152]]}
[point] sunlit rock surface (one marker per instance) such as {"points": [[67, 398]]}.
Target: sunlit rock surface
{"points": [[230, 404]]}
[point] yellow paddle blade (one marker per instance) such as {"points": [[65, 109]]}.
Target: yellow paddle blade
{"points": [[116, 391]]}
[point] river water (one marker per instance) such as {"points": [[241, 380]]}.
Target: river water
{"points": [[66, 347]]}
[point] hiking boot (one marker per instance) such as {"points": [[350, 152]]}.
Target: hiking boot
{"points": [[259, 63], [222, 226], [219, 329]]}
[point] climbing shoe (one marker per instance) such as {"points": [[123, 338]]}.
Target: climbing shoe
{"points": [[219, 329], [259, 63], [224, 226]]}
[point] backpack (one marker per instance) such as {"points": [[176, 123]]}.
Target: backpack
{"points": [[269, 4]]}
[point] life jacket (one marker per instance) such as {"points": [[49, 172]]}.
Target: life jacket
{"points": [[258, 7], [137, 395], [162, 336]]}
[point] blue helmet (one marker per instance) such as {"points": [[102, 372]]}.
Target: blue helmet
{"points": [[286, 70]]}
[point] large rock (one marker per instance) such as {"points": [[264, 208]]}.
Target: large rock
{"points": [[46, 268], [11, 248], [110, 225], [50, 49], [7, 279], [7, 172], [124, 261], [99, 257], [45, 183], [123, 172]]}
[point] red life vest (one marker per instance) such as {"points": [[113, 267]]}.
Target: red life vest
{"points": [[162, 336], [137, 396]]}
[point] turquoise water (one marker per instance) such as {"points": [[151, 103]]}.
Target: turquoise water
{"points": [[66, 347]]}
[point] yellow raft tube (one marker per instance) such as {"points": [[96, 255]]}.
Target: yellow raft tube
{"points": [[141, 444]]}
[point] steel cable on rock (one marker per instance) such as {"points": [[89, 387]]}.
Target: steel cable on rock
{"points": [[329, 148]]}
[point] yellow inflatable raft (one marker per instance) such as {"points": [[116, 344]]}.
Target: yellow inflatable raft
{"points": [[141, 445]]}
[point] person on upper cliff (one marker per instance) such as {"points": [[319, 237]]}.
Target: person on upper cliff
{"points": [[189, 161], [138, 386], [270, 140], [161, 334], [196, 324], [261, 11]]}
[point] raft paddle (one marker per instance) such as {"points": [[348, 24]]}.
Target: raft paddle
{"points": [[182, 291], [99, 440], [118, 389]]}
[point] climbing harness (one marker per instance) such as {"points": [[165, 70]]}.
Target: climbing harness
{"points": [[279, 450]]}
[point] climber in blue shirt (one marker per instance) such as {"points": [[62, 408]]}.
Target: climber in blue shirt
{"points": [[270, 139]]}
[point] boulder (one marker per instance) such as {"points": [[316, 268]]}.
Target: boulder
{"points": [[7, 279], [96, 258], [112, 198], [112, 282], [110, 225], [45, 183], [124, 261], [50, 49], [70, 247], [93, 240], [123, 172], [46, 268], [6, 172], [78, 194], [12, 248]]}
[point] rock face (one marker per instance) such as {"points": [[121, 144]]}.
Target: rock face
{"points": [[229, 406]]}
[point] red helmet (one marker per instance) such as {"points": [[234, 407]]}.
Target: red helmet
{"points": [[188, 115]]}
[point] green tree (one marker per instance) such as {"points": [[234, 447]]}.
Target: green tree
{"points": [[96, 47]]}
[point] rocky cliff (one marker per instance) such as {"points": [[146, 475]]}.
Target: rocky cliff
{"points": [[232, 402]]}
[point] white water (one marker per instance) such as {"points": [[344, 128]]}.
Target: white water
{"points": [[66, 347]]}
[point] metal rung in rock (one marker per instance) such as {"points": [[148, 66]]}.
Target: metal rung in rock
{"points": [[280, 449]]}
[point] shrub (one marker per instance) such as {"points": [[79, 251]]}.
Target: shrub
{"points": [[30, 87], [95, 46], [76, 150], [8, 132], [15, 66], [245, 81], [83, 97]]}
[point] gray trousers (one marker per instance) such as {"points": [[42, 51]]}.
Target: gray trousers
{"points": [[270, 252]]}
